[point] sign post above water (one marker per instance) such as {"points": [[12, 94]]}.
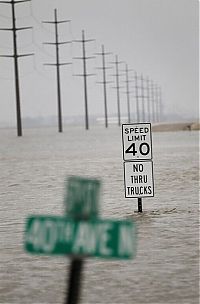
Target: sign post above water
{"points": [[138, 165]]}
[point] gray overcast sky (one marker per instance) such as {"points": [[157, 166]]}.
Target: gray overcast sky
{"points": [[158, 38]]}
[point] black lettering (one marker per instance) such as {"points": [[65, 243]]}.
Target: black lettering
{"points": [[137, 137], [145, 178], [150, 191], [143, 150], [138, 168], [140, 178], [126, 131], [145, 190]]}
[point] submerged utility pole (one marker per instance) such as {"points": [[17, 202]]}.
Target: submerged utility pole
{"points": [[142, 97], [153, 101], [104, 82], [116, 62], [127, 81], [157, 100], [85, 75], [137, 96], [58, 64], [161, 104], [15, 55], [148, 99]]}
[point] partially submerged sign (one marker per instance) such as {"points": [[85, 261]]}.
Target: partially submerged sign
{"points": [[138, 178], [137, 142], [97, 238], [80, 232], [138, 165]]}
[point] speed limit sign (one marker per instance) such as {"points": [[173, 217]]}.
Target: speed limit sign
{"points": [[137, 142]]}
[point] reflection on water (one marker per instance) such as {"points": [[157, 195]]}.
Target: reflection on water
{"points": [[32, 181]]}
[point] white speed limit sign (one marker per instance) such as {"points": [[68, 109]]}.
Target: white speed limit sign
{"points": [[137, 143]]}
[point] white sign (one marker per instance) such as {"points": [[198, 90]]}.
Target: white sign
{"points": [[137, 143], [138, 177]]}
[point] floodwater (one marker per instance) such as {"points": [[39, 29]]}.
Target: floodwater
{"points": [[33, 171]]}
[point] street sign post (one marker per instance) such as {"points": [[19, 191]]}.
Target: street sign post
{"points": [[138, 165], [81, 203]]}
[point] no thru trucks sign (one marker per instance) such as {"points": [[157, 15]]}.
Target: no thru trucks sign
{"points": [[138, 178]]}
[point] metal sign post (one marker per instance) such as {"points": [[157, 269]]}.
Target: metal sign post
{"points": [[138, 165], [81, 203]]}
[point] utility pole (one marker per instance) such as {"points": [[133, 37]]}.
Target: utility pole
{"points": [[148, 99], [127, 81], [137, 97], [142, 97], [85, 75], [161, 104], [57, 43], [157, 103], [116, 62], [153, 101], [15, 55], [104, 82]]}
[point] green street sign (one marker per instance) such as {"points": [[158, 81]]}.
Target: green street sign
{"points": [[82, 197], [53, 235]]}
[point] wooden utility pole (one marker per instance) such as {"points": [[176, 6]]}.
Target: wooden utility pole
{"points": [[15, 55], [127, 81], [148, 99], [116, 62], [104, 82], [157, 101], [161, 103], [85, 75], [142, 98], [57, 65], [137, 96], [153, 101]]}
